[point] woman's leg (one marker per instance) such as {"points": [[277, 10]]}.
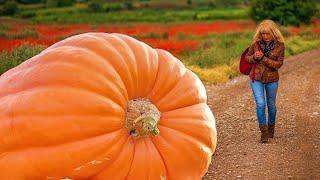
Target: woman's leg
{"points": [[271, 91], [258, 92]]}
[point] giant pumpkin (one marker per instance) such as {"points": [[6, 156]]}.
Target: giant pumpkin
{"points": [[104, 106]]}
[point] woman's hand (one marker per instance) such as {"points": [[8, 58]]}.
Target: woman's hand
{"points": [[258, 55]]}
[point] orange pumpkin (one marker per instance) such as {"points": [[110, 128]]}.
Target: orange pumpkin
{"points": [[104, 106]]}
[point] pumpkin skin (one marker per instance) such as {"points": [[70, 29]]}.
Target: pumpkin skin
{"points": [[62, 113]]}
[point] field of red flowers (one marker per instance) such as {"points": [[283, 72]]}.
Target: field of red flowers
{"points": [[156, 35], [171, 37]]}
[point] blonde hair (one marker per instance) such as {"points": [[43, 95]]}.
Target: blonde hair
{"points": [[270, 27]]}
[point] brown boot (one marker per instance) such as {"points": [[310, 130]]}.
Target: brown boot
{"points": [[271, 130], [264, 133]]}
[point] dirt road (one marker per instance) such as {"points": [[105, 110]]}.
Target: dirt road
{"points": [[294, 153]]}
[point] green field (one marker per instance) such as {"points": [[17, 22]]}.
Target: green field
{"points": [[81, 14]]}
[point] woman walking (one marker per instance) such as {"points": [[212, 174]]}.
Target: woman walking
{"points": [[267, 51]]}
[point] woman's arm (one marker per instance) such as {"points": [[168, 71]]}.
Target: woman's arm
{"points": [[250, 55], [275, 64]]}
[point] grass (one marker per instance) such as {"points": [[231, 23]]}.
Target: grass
{"points": [[218, 74], [318, 12], [148, 11], [152, 35], [218, 49], [26, 33], [3, 30], [12, 59], [225, 14], [304, 42], [216, 61], [80, 14]]}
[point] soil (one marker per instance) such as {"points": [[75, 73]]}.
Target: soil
{"points": [[294, 152]]}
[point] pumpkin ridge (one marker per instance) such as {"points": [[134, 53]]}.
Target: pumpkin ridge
{"points": [[102, 155], [133, 58], [61, 85], [191, 138], [205, 122], [46, 87], [155, 166], [134, 44], [179, 83], [109, 164], [149, 61], [116, 52], [167, 64], [131, 163], [199, 106], [161, 156], [194, 139], [117, 164], [102, 59], [27, 150], [132, 76], [186, 139], [27, 146], [175, 84], [75, 65], [122, 42]]}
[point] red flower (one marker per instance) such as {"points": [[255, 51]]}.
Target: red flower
{"points": [[173, 46]]}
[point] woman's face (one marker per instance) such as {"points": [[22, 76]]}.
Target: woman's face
{"points": [[266, 36]]}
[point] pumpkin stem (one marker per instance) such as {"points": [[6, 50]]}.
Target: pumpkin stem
{"points": [[142, 118]]}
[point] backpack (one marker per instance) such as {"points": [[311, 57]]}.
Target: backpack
{"points": [[244, 66]]}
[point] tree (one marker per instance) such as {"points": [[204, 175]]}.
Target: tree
{"points": [[59, 3], [9, 8], [285, 12], [30, 1]]}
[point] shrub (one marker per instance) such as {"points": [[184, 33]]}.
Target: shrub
{"points": [[286, 12], [224, 3], [128, 5], [107, 7], [27, 14], [59, 3], [221, 14], [63, 3], [95, 6], [30, 1], [3, 33], [10, 8]]}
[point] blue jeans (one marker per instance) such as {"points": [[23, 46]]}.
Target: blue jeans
{"points": [[259, 90]]}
